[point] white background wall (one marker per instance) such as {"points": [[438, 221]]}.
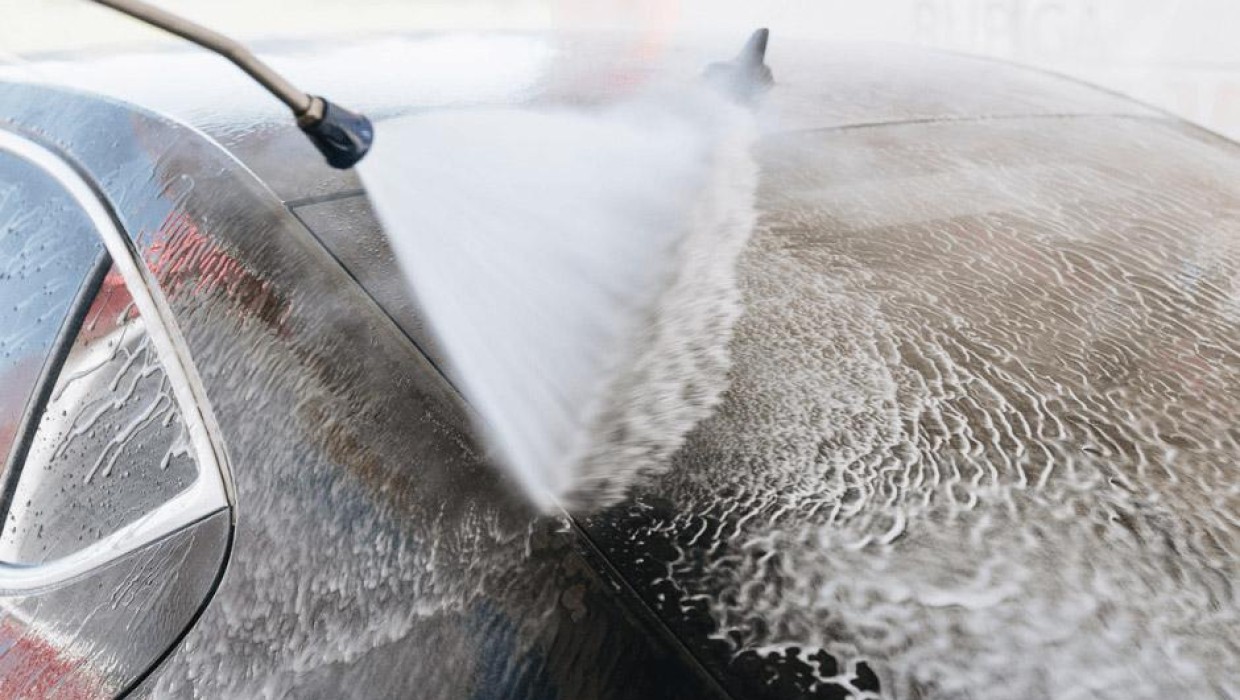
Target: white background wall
{"points": [[1183, 55]]}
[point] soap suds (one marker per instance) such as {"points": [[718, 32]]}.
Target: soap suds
{"points": [[986, 447]]}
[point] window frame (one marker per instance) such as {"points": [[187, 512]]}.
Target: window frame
{"points": [[211, 492]]}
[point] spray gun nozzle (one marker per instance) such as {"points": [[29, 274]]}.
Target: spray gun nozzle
{"points": [[343, 137]]}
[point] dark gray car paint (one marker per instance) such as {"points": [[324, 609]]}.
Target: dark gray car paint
{"points": [[368, 530], [371, 535]]}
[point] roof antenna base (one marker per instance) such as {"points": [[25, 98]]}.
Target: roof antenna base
{"points": [[747, 76]]}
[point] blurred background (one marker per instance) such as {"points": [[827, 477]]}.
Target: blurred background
{"points": [[1183, 56]]}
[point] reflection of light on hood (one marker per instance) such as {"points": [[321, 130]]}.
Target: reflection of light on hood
{"points": [[383, 75]]}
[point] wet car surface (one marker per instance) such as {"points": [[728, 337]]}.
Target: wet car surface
{"points": [[979, 438]]}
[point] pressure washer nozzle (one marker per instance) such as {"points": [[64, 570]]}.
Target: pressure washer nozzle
{"points": [[340, 135], [343, 137]]}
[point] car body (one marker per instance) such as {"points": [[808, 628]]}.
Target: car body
{"points": [[980, 437]]}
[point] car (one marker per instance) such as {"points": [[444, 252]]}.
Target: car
{"points": [[979, 439]]}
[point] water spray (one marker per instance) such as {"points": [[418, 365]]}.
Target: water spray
{"points": [[576, 265], [342, 136]]}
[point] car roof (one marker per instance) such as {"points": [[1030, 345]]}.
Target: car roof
{"points": [[819, 85], [976, 291]]}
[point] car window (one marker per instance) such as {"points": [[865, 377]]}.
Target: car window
{"points": [[102, 458], [110, 445], [116, 521], [48, 249]]}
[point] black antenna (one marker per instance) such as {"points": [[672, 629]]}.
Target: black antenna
{"points": [[343, 137], [754, 53], [747, 75]]}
